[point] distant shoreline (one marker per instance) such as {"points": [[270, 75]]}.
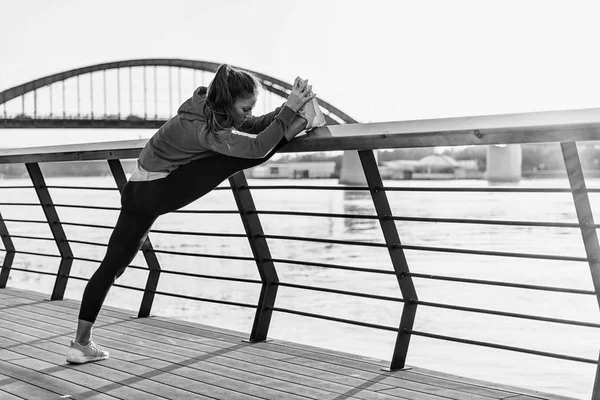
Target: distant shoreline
{"points": [[54, 170]]}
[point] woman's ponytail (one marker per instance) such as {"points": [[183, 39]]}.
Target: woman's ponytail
{"points": [[219, 96]]}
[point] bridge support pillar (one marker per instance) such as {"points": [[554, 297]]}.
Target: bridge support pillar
{"points": [[504, 163], [352, 172]]}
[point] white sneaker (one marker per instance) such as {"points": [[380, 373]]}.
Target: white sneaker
{"points": [[78, 354], [313, 114]]}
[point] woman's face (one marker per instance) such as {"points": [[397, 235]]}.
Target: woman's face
{"points": [[242, 107]]}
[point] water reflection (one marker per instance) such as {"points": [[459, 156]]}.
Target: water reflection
{"points": [[358, 202]]}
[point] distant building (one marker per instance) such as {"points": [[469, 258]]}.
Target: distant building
{"points": [[294, 170], [434, 166], [398, 169]]}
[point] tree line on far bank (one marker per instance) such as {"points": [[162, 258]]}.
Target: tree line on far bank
{"points": [[535, 157]]}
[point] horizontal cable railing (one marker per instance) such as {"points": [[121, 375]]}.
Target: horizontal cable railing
{"points": [[313, 214], [25, 221], [205, 255], [400, 253], [344, 292], [34, 253], [112, 189], [320, 240], [28, 237], [426, 219], [336, 319], [492, 222], [204, 299], [423, 189], [68, 223], [178, 273], [494, 253], [504, 347], [499, 283]]}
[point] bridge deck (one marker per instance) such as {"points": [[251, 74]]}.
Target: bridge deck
{"points": [[160, 358]]}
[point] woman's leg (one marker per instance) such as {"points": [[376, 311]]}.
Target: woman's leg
{"points": [[189, 182], [128, 236], [142, 203], [125, 241]]}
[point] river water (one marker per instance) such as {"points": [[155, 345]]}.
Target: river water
{"points": [[529, 371]]}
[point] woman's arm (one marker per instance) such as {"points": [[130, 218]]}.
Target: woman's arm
{"points": [[298, 97], [298, 125], [239, 144], [243, 145], [255, 125]]}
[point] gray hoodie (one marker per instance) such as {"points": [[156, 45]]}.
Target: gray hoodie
{"points": [[183, 138]]}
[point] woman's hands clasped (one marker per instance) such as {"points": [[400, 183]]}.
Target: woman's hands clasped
{"points": [[300, 95]]}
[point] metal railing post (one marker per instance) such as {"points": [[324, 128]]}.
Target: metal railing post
{"points": [[392, 240], [10, 253], [62, 277], [147, 250], [262, 256], [596, 389], [585, 217]]}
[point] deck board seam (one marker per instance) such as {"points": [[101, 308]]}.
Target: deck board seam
{"points": [[226, 388], [133, 375], [53, 378], [192, 349], [82, 386], [390, 386], [525, 392], [415, 390], [111, 381], [2, 377], [74, 304], [325, 390]]}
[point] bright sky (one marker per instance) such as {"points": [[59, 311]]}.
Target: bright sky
{"points": [[376, 60]]}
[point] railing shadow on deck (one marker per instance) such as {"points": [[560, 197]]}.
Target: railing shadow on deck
{"points": [[565, 128]]}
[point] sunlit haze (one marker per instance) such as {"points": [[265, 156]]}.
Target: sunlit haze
{"points": [[376, 60]]}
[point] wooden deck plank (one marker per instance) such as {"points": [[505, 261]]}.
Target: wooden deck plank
{"points": [[141, 377], [134, 347], [474, 386], [415, 386], [454, 385], [420, 389], [407, 375], [9, 396], [418, 374], [484, 384], [251, 376], [36, 380], [42, 330], [11, 389], [242, 368], [53, 364], [41, 347], [177, 353]]}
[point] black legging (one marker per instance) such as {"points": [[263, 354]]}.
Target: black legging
{"points": [[142, 203]]}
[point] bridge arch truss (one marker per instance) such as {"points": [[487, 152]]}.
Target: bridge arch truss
{"points": [[124, 94]]}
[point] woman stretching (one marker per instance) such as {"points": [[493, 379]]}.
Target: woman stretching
{"points": [[213, 136]]}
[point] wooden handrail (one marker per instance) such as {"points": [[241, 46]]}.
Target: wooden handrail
{"points": [[536, 127]]}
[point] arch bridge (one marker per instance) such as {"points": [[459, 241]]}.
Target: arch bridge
{"points": [[140, 93], [145, 93]]}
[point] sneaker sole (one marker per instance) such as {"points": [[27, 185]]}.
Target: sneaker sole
{"points": [[75, 360]]}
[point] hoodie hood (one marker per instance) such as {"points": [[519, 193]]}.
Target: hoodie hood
{"points": [[193, 108]]}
